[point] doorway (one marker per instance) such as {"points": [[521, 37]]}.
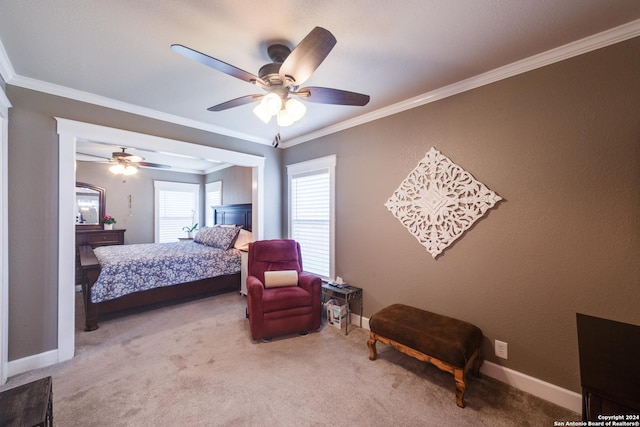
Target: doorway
{"points": [[69, 132]]}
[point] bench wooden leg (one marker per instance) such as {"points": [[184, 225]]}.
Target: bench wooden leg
{"points": [[476, 366], [473, 363], [372, 346], [460, 386]]}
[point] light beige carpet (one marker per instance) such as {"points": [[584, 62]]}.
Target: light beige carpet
{"points": [[194, 364]]}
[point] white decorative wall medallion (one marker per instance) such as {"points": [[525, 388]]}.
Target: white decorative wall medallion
{"points": [[438, 201]]}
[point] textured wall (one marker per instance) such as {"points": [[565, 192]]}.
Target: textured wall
{"points": [[561, 145], [33, 202]]}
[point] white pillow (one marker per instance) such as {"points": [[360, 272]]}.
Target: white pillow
{"points": [[243, 240], [277, 279]]}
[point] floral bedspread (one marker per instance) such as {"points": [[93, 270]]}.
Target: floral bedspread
{"points": [[132, 268]]}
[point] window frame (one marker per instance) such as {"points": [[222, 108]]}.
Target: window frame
{"points": [[318, 165], [210, 188], [172, 186]]}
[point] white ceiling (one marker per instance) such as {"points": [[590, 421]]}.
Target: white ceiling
{"points": [[402, 53]]}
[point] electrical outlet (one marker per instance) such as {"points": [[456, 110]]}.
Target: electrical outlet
{"points": [[501, 349]]}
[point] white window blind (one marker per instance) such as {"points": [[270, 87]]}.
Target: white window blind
{"points": [[213, 198], [311, 213], [176, 207]]}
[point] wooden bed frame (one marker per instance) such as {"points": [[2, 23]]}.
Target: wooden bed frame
{"points": [[227, 214]]}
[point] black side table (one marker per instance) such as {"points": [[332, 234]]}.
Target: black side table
{"points": [[28, 405], [347, 294]]}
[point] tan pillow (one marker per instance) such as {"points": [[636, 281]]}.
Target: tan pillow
{"points": [[243, 240], [277, 279]]}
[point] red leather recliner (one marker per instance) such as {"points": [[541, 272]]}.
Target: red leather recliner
{"points": [[277, 311]]}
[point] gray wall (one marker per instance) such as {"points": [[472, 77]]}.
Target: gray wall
{"points": [[33, 202], [137, 219], [236, 184], [561, 145]]}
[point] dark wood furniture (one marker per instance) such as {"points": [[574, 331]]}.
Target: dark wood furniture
{"points": [[205, 287], [98, 195], [609, 354], [95, 238], [450, 344], [239, 214], [27, 405]]}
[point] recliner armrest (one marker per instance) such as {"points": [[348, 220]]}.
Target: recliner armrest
{"points": [[255, 286], [255, 290], [310, 282]]}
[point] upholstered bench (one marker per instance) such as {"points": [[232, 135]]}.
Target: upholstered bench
{"points": [[450, 344]]}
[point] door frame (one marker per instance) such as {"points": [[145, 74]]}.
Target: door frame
{"points": [[4, 240], [69, 131]]}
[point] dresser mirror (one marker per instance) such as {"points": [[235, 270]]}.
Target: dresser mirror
{"points": [[89, 206]]}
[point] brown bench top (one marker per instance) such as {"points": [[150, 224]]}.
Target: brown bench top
{"points": [[450, 340]]}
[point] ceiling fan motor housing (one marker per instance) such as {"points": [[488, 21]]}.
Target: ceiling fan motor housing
{"points": [[270, 73], [278, 52]]}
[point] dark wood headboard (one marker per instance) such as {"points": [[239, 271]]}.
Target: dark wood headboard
{"points": [[233, 214]]}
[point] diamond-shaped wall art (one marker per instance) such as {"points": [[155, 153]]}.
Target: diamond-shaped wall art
{"points": [[438, 201]]}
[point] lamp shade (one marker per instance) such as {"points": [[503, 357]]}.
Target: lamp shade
{"points": [[262, 113], [117, 169], [296, 109], [284, 118], [272, 103], [130, 170]]}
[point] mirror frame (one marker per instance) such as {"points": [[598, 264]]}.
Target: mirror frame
{"points": [[101, 209]]}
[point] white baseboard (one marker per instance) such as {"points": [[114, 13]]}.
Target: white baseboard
{"points": [[30, 363], [542, 389]]}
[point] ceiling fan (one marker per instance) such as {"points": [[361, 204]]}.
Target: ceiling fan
{"points": [[126, 163], [282, 79]]}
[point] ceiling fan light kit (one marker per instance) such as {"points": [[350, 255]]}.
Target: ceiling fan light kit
{"points": [[271, 103], [124, 163], [287, 114], [284, 118], [296, 109], [120, 169], [282, 78], [262, 113]]}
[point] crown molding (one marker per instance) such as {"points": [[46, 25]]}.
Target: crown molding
{"points": [[6, 69], [570, 50], [4, 104], [6, 72], [78, 95]]}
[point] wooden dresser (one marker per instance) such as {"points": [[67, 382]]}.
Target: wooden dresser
{"points": [[95, 238], [609, 355]]}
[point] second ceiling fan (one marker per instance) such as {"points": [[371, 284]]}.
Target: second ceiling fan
{"points": [[282, 78]]}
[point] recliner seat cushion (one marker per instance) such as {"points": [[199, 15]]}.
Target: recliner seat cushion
{"points": [[276, 299]]}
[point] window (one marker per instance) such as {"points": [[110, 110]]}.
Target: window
{"points": [[213, 198], [311, 213], [176, 207]]}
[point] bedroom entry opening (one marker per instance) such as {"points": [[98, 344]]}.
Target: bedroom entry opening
{"points": [[69, 132]]}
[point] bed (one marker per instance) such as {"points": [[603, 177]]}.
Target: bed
{"points": [[117, 278]]}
